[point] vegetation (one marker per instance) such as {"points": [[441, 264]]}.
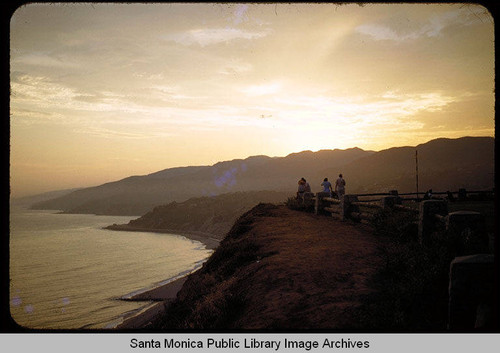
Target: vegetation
{"points": [[413, 283], [209, 214], [406, 292], [298, 205], [217, 287]]}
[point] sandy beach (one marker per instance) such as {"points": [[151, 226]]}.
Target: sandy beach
{"points": [[160, 296]]}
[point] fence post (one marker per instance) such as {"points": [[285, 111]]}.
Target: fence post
{"points": [[468, 229], [388, 202], [471, 292], [345, 206], [319, 204], [426, 217]]}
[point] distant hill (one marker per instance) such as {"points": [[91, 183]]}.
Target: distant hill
{"points": [[27, 201], [444, 164], [214, 215], [137, 195]]}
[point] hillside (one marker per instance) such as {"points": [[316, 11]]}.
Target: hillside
{"points": [[139, 194], [280, 269], [213, 216], [27, 201], [444, 164], [286, 270]]}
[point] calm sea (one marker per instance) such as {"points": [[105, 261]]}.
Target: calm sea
{"points": [[66, 272]]}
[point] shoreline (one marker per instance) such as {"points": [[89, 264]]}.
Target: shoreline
{"points": [[164, 292], [159, 296], [206, 238]]}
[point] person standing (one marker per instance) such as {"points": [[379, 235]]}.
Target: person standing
{"points": [[340, 187], [327, 187]]}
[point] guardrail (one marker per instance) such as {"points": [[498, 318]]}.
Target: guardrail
{"points": [[351, 207], [470, 281]]}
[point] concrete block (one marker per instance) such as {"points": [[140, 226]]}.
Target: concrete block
{"points": [[471, 292], [468, 230]]}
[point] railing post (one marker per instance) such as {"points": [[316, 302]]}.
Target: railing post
{"points": [[468, 229], [319, 203], [345, 206], [471, 292], [426, 217], [388, 202]]}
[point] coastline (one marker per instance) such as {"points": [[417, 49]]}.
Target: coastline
{"points": [[206, 238], [164, 292], [159, 296]]}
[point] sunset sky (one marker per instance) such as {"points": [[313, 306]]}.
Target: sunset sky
{"points": [[100, 92]]}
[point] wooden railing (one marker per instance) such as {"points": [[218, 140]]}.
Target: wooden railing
{"points": [[466, 306], [351, 206]]}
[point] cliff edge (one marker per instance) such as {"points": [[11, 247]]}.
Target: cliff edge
{"points": [[279, 269]]}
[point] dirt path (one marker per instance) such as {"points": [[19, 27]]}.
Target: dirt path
{"points": [[320, 272]]}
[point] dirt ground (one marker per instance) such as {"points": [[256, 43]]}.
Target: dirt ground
{"points": [[320, 272], [282, 269]]}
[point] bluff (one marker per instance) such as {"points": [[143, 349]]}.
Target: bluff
{"points": [[213, 216], [279, 269]]}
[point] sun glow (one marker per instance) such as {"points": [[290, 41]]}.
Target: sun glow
{"points": [[133, 89]]}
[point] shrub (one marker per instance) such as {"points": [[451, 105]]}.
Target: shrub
{"points": [[412, 284], [294, 204]]}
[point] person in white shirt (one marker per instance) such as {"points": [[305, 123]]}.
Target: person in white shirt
{"points": [[340, 187]]}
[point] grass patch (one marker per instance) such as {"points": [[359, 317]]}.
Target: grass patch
{"points": [[412, 285], [298, 205]]}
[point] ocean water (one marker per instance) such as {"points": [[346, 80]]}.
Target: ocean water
{"points": [[66, 272]]}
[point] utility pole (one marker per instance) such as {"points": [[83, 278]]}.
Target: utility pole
{"points": [[416, 170]]}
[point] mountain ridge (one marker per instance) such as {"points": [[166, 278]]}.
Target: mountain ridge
{"points": [[443, 164]]}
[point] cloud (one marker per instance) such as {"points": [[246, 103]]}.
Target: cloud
{"points": [[262, 90], [42, 59], [239, 13], [235, 68], [390, 108], [210, 36], [382, 32], [103, 132], [433, 27]]}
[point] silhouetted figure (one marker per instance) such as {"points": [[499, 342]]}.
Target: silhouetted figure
{"points": [[340, 187], [428, 194], [327, 187], [308, 187], [301, 189]]}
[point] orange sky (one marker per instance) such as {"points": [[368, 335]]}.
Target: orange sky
{"points": [[104, 91]]}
